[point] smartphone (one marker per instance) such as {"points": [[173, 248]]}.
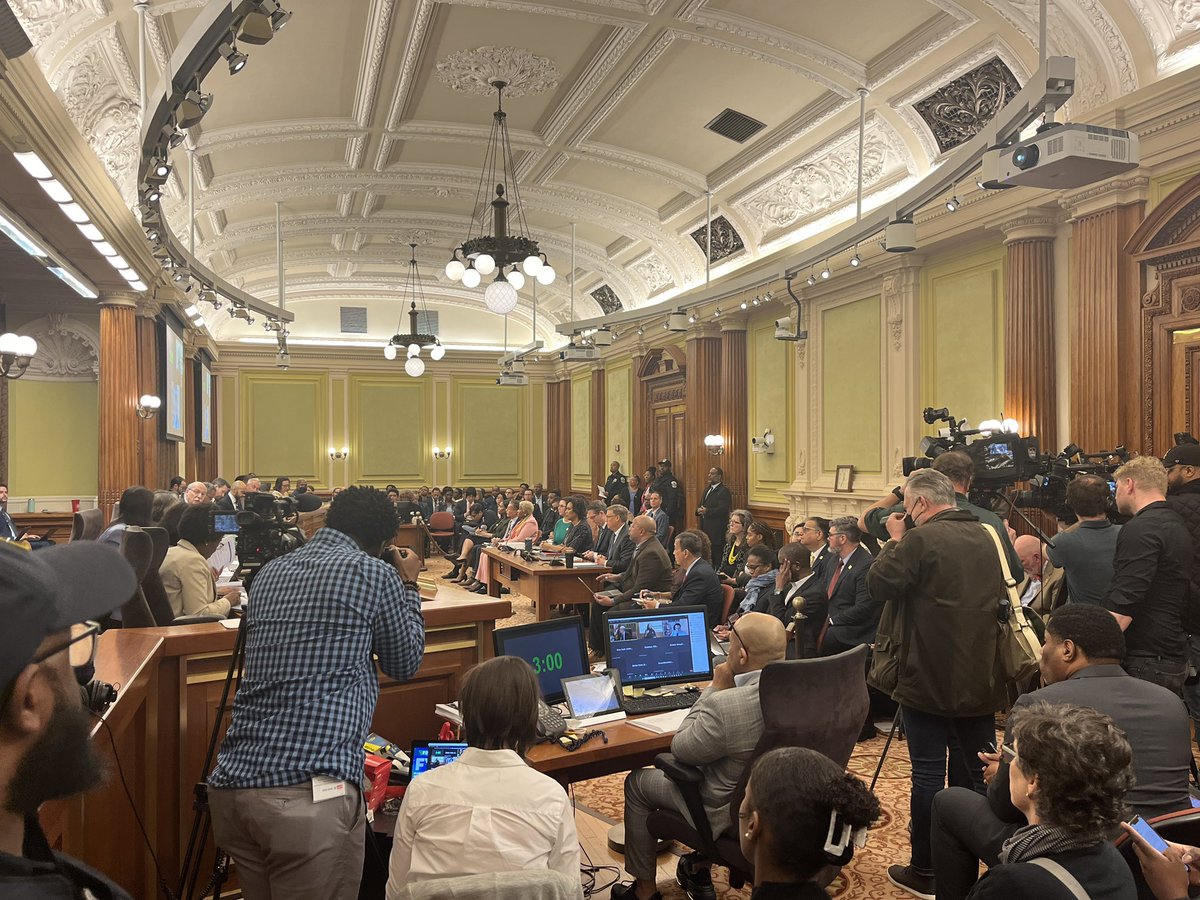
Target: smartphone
{"points": [[1149, 835]]}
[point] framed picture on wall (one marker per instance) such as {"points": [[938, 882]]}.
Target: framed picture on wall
{"points": [[844, 479]]}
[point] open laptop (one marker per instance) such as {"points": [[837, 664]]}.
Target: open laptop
{"points": [[427, 755]]}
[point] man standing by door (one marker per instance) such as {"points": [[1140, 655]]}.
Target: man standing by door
{"points": [[714, 509]]}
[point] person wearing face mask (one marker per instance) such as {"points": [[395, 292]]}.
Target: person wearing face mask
{"points": [[940, 583], [49, 602]]}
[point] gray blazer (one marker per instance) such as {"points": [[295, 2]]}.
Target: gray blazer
{"points": [[650, 570], [719, 736]]}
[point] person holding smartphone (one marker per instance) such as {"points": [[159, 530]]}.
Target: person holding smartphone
{"points": [[1170, 869]]}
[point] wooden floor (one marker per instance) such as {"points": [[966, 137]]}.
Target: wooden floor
{"points": [[593, 842]]}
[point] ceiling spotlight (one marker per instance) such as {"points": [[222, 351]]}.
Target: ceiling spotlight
{"points": [[825, 273], [979, 184], [856, 260], [235, 57], [812, 279], [172, 135], [261, 23], [952, 204], [757, 300], [692, 319], [159, 169], [717, 313], [744, 305], [192, 108], [640, 331], [150, 194]]}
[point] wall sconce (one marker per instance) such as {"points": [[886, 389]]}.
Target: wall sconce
{"points": [[336, 454], [441, 454], [16, 351], [148, 405], [764, 444], [715, 444]]}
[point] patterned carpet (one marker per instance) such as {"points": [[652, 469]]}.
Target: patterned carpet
{"points": [[865, 877]]}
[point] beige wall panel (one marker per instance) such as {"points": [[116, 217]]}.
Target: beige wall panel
{"points": [[851, 354], [492, 431], [391, 430], [285, 424], [53, 433], [618, 403], [581, 432], [770, 384]]}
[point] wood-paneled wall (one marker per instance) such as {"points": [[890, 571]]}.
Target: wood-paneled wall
{"points": [[118, 458], [1029, 383], [558, 435]]}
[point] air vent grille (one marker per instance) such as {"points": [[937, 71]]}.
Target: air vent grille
{"points": [[735, 125], [1054, 146], [354, 319]]}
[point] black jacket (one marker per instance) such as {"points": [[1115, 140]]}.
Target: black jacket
{"points": [[579, 538], [716, 501], [619, 549], [701, 587], [224, 503], [853, 614], [1185, 500], [1100, 870], [43, 874]]}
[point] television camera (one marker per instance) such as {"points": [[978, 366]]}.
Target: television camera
{"points": [[265, 529]]}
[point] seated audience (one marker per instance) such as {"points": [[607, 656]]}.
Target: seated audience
{"points": [[163, 500], [178, 485], [595, 521], [578, 536], [699, 586], [134, 508], [467, 560], [522, 527], [616, 549], [798, 804], [1041, 583], [662, 520], [761, 569], [649, 570], [186, 575], [223, 500], [1080, 665], [1070, 771], [719, 736], [283, 486], [1169, 874], [238, 493], [488, 811], [793, 574], [558, 533], [197, 492], [549, 515], [759, 533], [814, 538]]}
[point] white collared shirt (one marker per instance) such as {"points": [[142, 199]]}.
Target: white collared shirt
{"points": [[486, 812]]}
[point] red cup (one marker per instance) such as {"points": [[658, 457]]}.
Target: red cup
{"points": [[74, 506]]}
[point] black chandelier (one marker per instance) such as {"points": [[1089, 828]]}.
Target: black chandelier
{"points": [[509, 256], [414, 340]]}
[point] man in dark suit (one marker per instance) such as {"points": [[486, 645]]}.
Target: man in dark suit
{"points": [[649, 570], [224, 500], [714, 509], [852, 617], [700, 585], [662, 521], [616, 548], [616, 488], [550, 517], [1081, 665]]}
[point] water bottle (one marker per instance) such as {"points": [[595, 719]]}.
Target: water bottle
{"points": [[30, 505]]}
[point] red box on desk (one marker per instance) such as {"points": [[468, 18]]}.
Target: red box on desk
{"points": [[378, 769]]}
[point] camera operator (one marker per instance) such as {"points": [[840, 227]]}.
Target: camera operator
{"points": [[1084, 551], [285, 794], [960, 469], [1151, 576]]}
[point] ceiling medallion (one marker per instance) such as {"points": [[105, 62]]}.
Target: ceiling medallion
{"points": [[475, 71]]}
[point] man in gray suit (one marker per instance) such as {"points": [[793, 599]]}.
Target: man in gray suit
{"points": [[1081, 664], [648, 570], [718, 736]]}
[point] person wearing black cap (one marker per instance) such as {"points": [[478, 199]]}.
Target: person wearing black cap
{"points": [[668, 488], [1183, 495], [49, 602]]}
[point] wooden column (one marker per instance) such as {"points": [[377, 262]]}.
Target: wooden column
{"points": [[558, 436], [600, 447], [1029, 382], [1104, 317], [118, 454], [639, 446], [734, 398], [151, 447], [705, 388]]}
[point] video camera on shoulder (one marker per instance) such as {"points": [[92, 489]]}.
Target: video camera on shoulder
{"points": [[265, 529]]}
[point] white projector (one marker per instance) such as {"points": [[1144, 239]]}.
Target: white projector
{"points": [[602, 337], [1064, 156], [573, 353], [513, 379]]}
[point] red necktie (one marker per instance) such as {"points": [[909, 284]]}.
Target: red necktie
{"points": [[837, 573]]}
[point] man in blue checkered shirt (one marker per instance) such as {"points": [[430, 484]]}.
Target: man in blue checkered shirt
{"points": [[285, 794]]}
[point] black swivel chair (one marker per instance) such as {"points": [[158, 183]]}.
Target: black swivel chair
{"points": [[156, 594], [138, 549], [815, 703]]}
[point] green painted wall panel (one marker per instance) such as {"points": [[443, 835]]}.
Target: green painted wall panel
{"points": [[770, 383], [537, 447], [390, 430], [59, 414], [851, 355], [285, 420], [618, 407], [581, 430], [491, 431]]}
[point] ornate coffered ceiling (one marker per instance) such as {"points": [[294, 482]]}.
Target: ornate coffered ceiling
{"points": [[367, 119]]}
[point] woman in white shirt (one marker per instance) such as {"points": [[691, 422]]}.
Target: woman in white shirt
{"points": [[488, 811]]}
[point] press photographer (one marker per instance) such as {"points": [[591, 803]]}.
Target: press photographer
{"points": [[1084, 551], [284, 795]]}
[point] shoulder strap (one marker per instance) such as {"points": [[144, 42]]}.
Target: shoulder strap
{"points": [[1068, 880]]}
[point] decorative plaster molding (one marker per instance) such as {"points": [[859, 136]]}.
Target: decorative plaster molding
{"points": [[279, 132], [366, 91], [641, 164], [921, 44], [52, 24], [959, 109], [414, 47], [68, 350], [1097, 197], [585, 87], [653, 271], [632, 76], [1031, 225], [472, 71]]}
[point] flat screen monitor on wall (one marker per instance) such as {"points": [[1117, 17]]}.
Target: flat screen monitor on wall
{"points": [[173, 405], [204, 407]]}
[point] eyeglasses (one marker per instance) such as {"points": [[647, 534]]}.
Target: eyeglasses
{"points": [[81, 646], [834, 534], [810, 528]]}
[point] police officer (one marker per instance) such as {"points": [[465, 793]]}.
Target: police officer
{"points": [[616, 489], [668, 488]]}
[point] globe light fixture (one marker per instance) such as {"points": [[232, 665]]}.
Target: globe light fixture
{"points": [[412, 341], [415, 366], [500, 297], [16, 352], [389, 352], [509, 243], [437, 353]]}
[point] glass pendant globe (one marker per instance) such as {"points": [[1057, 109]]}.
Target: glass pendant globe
{"points": [[455, 269], [415, 366], [414, 349], [389, 352], [500, 297], [545, 275], [532, 265], [26, 346], [471, 278], [516, 279], [437, 352], [485, 264]]}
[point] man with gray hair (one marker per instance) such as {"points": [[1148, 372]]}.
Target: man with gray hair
{"points": [[940, 581]]}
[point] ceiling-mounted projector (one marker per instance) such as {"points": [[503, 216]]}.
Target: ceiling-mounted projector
{"points": [[900, 236], [1060, 157], [677, 321], [602, 337], [513, 379], [571, 353]]}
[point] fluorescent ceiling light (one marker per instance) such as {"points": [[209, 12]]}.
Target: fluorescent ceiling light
{"points": [[138, 285], [21, 237], [76, 284], [129, 275], [91, 232], [57, 192], [104, 248], [32, 163], [118, 262], [74, 212]]}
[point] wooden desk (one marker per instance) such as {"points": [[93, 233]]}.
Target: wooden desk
{"points": [[628, 748], [52, 526], [171, 681], [413, 537], [544, 584]]}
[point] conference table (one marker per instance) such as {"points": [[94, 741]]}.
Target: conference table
{"points": [[545, 584]]}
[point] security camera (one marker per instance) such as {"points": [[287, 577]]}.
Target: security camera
{"points": [[784, 332]]}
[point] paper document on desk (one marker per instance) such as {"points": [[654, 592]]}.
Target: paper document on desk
{"points": [[663, 723], [514, 545], [231, 623]]}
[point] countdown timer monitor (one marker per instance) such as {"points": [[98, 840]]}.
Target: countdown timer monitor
{"points": [[555, 649], [650, 647]]}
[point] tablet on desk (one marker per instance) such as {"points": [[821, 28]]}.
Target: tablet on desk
{"points": [[592, 695], [427, 755]]}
